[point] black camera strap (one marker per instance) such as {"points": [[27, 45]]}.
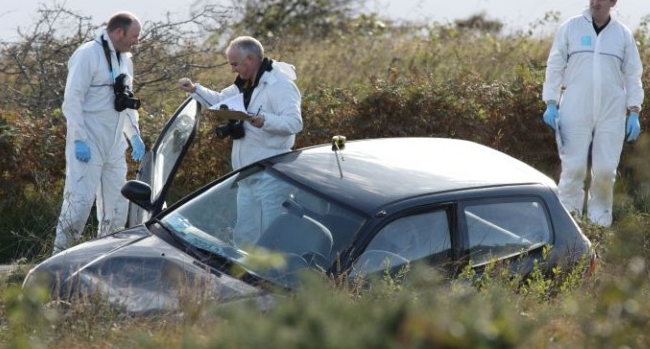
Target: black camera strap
{"points": [[107, 52], [246, 87]]}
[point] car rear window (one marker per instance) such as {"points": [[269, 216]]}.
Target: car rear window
{"points": [[500, 230]]}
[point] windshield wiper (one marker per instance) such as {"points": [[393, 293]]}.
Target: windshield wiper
{"points": [[180, 241]]}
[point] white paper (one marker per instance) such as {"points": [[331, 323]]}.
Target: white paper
{"points": [[558, 136], [234, 103]]}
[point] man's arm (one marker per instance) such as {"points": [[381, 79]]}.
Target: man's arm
{"points": [[285, 117], [80, 75], [632, 71], [555, 66]]}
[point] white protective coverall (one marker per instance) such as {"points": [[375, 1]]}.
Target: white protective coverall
{"points": [[601, 78], [88, 107], [278, 99]]}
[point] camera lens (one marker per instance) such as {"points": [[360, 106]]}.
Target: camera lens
{"points": [[222, 131]]}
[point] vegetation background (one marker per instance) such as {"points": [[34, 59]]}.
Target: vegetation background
{"points": [[363, 77]]}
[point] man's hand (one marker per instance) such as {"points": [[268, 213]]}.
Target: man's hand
{"points": [[551, 115], [186, 85], [632, 127], [137, 148], [81, 151], [257, 120]]}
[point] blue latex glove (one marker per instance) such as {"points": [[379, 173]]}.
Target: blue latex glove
{"points": [[633, 128], [137, 147], [81, 151], [551, 115]]}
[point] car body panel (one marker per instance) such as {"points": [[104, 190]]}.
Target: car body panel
{"points": [[140, 273]]}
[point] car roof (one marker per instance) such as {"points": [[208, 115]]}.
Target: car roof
{"points": [[371, 173]]}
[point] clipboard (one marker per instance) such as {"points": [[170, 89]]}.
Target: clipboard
{"points": [[226, 114], [230, 108]]}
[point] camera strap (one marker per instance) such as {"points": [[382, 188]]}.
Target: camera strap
{"points": [[107, 53], [246, 87]]}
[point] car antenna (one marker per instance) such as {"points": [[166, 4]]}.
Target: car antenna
{"points": [[338, 144]]}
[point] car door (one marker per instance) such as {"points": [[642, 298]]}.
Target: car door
{"points": [[424, 236], [514, 229], [161, 163]]}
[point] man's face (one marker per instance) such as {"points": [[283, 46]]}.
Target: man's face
{"points": [[125, 40], [244, 66], [600, 8]]}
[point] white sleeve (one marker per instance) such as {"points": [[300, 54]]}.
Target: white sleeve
{"points": [[80, 74], [632, 71], [555, 66], [132, 123], [208, 97]]}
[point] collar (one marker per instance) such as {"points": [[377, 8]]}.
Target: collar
{"points": [[587, 15], [266, 65]]}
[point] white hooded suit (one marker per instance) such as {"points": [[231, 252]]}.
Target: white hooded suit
{"points": [[601, 78], [278, 99], [88, 107]]}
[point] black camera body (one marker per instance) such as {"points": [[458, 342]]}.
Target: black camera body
{"points": [[124, 98], [234, 128]]}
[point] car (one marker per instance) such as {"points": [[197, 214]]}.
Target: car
{"points": [[346, 209]]}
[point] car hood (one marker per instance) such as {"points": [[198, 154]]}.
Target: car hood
{"points": [[139, 273]]}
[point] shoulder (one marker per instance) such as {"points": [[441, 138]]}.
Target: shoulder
{"points": [[279, 75], [575, 24], [623, 28], [580, 19], [286, 69], [88, 50]]}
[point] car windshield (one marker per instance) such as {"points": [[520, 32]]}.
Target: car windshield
{"points": [[280, 228]]}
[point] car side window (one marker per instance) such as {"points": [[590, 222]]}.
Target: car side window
{"points": [[408, 239], [502, 229]]}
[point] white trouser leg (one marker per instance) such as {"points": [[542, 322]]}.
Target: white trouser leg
{"points": [[112, 206], [573, 155], [606, 151], [249, 217], [259, 202], [78, 197]]}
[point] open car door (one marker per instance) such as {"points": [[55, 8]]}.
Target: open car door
{"points": [[160, 164]]}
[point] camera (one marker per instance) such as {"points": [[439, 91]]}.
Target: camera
{"points": [[124, 98], [234, 128]]}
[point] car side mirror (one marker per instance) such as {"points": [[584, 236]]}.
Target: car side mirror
{"points": [[139, 193]]}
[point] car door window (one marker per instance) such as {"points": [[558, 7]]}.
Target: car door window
{"points": [[407, 239], [170, 145], [503, 229]]}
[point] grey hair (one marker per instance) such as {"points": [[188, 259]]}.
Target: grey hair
{"points": [[247, 45]]}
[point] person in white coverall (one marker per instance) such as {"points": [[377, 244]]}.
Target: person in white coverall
{"points": [[273, 101], [96, 131], [593, 81]]}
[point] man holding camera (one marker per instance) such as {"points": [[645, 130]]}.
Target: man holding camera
{"points": [[100, 111], [273, 102]]}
